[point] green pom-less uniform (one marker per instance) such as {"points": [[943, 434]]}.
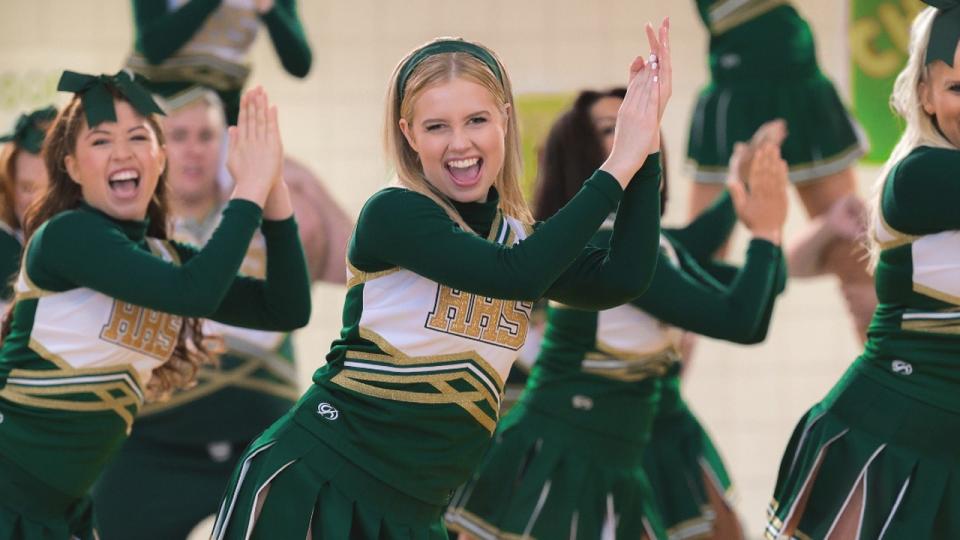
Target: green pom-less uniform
{"points": [[433, 319], [99, 306], [893, 420], [763, 66], [11, 249], [185, 43], [173, 469], [568, 460]]}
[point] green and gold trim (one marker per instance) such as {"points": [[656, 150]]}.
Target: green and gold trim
{"points": [[945, 321], [245, 376], [25, 288], [77, 390], [697, 528], [629, 366], [726, 15], [897, 238], [799, 173], [204, 69], [390, 374], [466, 522], [356, 276]]}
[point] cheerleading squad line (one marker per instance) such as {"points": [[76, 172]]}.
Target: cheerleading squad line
{"points": [[400, 435]]}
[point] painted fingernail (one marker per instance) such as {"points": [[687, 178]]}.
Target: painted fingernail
{"points": [[654, 66], [656, 78], [653, 57]]}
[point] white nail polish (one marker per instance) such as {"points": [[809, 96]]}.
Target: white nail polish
{"points": [[654, 66], [653, 58], [656, 78]]}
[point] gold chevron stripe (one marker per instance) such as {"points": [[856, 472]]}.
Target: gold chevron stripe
{"points": [[357, 381], [39, 397], [396, 356]]}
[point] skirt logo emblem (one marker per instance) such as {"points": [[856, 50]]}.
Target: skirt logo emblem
{"points": [[901, 367], [582, 402], [328, 411]]}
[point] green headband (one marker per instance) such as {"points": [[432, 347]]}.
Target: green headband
{"points": [[94, 91], [441, 47], [27, 133], [945, 32]]}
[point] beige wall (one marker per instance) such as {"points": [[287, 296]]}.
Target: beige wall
{"points": [[750, 398]]}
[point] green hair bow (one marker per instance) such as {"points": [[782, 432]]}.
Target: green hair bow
{"points": [[945, 32], [94, 91], [27, 133]]}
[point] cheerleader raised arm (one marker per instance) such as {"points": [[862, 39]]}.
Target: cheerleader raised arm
{"points": [[105, 305], [443, 267]]}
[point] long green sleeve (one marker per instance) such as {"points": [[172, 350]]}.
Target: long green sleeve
{"points": [[697, 302], [725, 273], [703, 236], [10, 252], [780, 283], [398, 227], [922, 193], [279, 302], [603, 278], [85, 248], [161, 32], [288, 37]]}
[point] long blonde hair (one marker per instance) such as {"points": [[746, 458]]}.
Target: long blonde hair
{"points": [[438, 69], [921, 129]]}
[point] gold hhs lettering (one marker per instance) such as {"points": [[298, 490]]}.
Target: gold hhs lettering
{"points": [[151, 332], [498, 322]]}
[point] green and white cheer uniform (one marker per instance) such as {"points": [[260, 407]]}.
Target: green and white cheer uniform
{"points": [[99, 306], [893, 420], [184, 43], [433, 320], [763, 66], [11, 249], [567, 461], [172, 470]]}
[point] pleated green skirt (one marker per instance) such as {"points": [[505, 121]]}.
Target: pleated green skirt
{"points": [[823, 138], [31, 510], [289, 484], [905, 451], [544, 478], [679, 461]]}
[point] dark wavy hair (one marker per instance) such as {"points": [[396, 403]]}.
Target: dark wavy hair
{"points": [[572, 152], [64, 194]]}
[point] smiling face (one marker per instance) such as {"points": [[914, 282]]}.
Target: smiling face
{"points": [[940, 96], [458, 130], [29, 182], [118, 164], [603, 115], [193, 140]]}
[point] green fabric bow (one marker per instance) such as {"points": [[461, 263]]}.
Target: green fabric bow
{"points": [[945, 32], [27, 133], [440, 47], [94, 90]]}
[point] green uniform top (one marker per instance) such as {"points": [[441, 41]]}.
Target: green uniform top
{"points": [[11, 248], [913, 343], [757, 39], [254, 382], [434, 317], [596, 365], [182, 43], [100, 306]]}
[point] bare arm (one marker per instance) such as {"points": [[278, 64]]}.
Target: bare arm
{"points": [[844, 221], [325, 227]]}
